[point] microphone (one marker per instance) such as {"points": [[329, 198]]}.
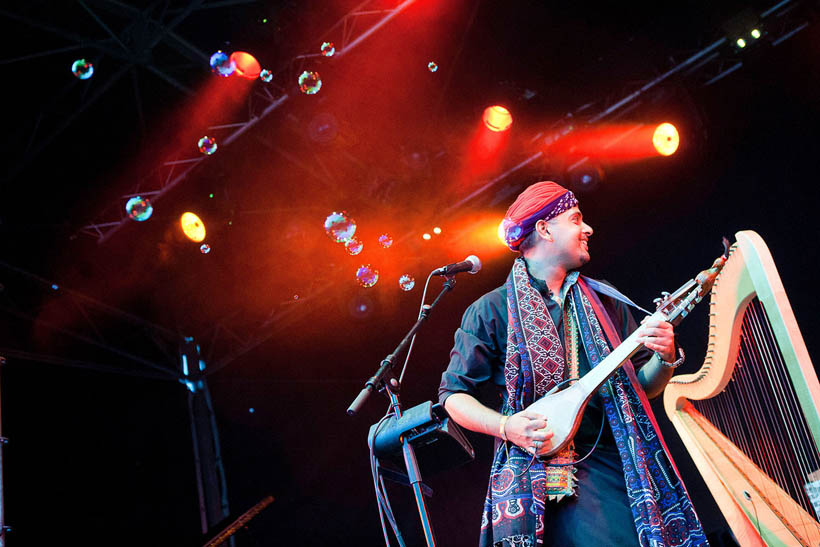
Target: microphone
{"points": [[470, 264]]}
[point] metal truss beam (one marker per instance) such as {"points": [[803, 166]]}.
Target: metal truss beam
{"points": [[171, 173], [153, 32], [612, 107], [704, 67], [28, 296]]}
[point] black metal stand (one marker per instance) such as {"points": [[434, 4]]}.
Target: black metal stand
{"points": [[377, 382], [3, 441]]}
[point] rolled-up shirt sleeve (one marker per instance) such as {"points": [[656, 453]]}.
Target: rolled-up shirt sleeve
{"points": [[479, 347]]}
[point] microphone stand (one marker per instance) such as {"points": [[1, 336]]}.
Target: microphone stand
{"points": [[377, 382]]}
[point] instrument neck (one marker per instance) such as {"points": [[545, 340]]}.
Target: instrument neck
{"points": [[596, 377]]}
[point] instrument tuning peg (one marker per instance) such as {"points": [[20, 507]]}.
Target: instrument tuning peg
{"points": [[657, 301], [665, 294]]}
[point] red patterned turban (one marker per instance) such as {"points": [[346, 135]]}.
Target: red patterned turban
{"points": [[543, 200]]}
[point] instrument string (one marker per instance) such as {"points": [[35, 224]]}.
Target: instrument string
{"points": [[740, 435], [760, 408], [778, 386], [750, 402], [811, 456], [730, 423], [792, 421], [759, 412], [782, 428]]}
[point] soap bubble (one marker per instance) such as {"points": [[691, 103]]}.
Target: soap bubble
{"points": [[139, 208], [221, 64], [339, 227], [205, 248], [323, 128], [406, 282], [432, 67], [266, 75], [367, 276], [82, 69], [353, 246], [310, 82], [207, 145], [385, 240], [328, 49]]}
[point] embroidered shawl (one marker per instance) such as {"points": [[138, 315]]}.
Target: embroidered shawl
{"points": [[518, 491]]}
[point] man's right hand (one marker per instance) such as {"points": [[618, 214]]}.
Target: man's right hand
{"points": [[528, 430]]}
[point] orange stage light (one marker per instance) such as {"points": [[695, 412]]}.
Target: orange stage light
{"points": [[666, 139], [502, 233], [192, 227], [497, 118], [246, 65], [426, 236], [479, 234]]}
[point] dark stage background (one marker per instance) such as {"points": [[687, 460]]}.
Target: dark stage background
{"points": [[104, 458]]}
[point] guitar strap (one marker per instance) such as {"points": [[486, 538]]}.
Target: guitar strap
{"points": [[612, 292]]}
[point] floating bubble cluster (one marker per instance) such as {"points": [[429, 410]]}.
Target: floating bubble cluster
{"points": [[207, 145], [432, 67], [139, 208], [385, 241], [353, 246], [406, 282], [205, 248], [339, 227], [310, 82], [367, 276], [82, 69], [328, 49], [266, 75], [221, 64]]}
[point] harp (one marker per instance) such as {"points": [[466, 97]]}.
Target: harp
{"points": [[749, 416]]}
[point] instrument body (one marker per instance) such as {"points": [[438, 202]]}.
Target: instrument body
{"points": [[752, 407], [565, 408]]}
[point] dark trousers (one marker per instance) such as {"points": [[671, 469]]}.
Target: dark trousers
{"points": [[599, 515]]}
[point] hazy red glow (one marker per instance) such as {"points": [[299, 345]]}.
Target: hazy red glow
{"points": [[479, 235], [621, 142]]}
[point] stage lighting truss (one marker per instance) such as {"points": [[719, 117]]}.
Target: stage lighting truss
{"points": [[704, 67], [346, 34]]}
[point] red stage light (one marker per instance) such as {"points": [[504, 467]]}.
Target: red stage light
{"points": [[246, 65], [666, 139], [497, 118]]}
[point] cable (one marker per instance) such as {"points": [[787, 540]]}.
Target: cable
{"points": [[385, 510], [413, 340]]}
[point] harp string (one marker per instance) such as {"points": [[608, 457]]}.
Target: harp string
{"points": [[759, 411]]}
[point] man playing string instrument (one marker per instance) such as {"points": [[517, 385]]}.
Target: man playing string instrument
{"points": [[545, 325]]}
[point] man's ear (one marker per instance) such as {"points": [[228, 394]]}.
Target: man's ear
{"points": [[542, 229]]}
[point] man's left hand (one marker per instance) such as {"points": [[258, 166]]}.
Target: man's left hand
{"points": [[658, 336]]}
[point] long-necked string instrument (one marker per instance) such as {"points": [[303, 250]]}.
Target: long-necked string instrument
{"points": [[565, 408]]}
